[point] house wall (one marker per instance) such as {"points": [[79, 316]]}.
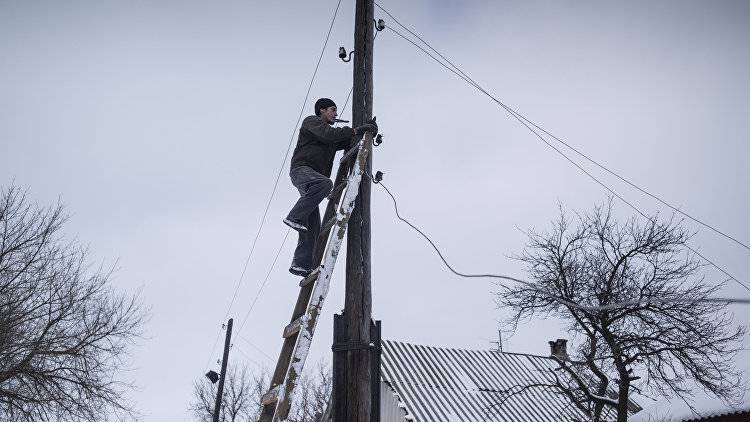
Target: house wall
{"points": [[389, 406]]}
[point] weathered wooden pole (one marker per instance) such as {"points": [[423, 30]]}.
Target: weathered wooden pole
{"points": [[358, 296]]}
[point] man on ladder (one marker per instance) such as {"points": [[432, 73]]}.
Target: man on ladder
{"points": [[310, 171]]}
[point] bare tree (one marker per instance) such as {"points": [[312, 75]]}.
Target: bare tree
{"points": [[312, 396], [663, 339], [241, 399], [64, 333], [243, 391]]}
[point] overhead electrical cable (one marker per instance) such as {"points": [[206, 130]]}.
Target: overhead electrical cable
{"points": [[265, 280], [530, 126], [569, 146], [254, 346], [347, 100], [278, 175], [544, 292], [247, 356]]}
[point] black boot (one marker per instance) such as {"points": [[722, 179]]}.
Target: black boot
{"points": [[300, 271]]}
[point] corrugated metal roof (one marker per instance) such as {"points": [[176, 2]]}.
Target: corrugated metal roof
{"points": [[452, 385]]}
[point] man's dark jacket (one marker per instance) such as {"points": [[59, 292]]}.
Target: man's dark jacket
{"points": [[317, 144]]}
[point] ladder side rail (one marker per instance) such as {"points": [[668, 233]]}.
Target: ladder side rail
{"points": [[304, 295], [342, 175], [322, 284]]}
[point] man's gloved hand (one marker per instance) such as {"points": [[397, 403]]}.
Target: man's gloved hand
{"points": [[375, 125], [370, 126], [367, 127]]}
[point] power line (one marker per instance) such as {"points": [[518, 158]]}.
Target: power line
{"points": [[581, 154], [347, 100], [260, 365], [544, 292], [213, 349], [278, 175], [642, 190], [617, 305], [523, 120], [254, 346], [265, 280]]}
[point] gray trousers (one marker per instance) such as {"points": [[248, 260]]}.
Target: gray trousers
{"points": [[313, 187]]}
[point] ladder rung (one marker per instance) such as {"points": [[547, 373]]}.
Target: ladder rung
{"points": [[337, 189], [272, 396], [310, 278], [293, 327]]}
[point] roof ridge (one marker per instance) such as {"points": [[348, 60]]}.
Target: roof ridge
{"points": [[468, 349]]}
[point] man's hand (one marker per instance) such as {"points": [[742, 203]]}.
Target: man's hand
{"points": [[367, 127], [375, 125], [371, 126]]}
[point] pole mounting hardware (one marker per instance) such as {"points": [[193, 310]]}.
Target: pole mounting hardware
{"points": [[378, 177], [378, 139], [379, 25], [344, 347], [342, 55]]}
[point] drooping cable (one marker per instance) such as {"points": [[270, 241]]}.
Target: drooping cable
{"points": [[437, 250], [544, 292]]}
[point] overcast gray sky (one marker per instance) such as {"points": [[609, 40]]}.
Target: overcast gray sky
{"points": [[162, 126]]}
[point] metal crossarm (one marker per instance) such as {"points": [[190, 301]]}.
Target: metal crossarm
{"points": [[299, 332]]}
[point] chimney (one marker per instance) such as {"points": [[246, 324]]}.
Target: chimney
{"points": [[559, 349]]}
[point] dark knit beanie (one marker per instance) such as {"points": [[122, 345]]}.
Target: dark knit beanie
{"points": [[323, 103]]}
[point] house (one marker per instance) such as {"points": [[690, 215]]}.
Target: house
{"points": [[442, 384]]}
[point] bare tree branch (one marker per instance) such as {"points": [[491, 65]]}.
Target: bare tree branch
{"points": [[64, 332], [659, 338], [243, 391]]}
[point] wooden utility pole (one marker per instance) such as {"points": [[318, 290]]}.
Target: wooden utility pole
{"points": [[358, 296], [224, 360]]}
